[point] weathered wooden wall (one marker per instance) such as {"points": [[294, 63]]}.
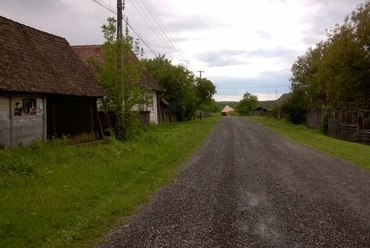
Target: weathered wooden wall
{"points": [[172, 116], [314, 117], [27, 129], [350, 126], [23, 129], [4, 121]]}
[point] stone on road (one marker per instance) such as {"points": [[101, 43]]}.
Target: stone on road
{"points": [[248, 187]]}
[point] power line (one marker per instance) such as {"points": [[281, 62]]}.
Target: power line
{"points": [[104, 5], [156, 17], [172, 46], [155, 30]]}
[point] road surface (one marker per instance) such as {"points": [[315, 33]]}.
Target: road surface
{"points": [[248, 187]]}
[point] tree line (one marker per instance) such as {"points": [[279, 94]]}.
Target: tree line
{"points": [[335, 71], [121, 74]]}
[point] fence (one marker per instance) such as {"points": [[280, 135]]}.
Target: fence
{"points": [[172, 116], [201, 114], [351, 126], [314, 117]]}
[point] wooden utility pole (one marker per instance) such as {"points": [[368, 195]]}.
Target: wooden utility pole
{"points": [[120, 7], [200, 73]]}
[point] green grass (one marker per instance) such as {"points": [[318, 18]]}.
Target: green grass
{"points": [[353, 152], [66, 196]]}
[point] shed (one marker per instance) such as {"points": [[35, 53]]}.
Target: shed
{"points": [[227, 110], [259, 111], [45, 89]]}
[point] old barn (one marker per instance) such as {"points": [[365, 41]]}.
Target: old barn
{"points": [[45, 89]]}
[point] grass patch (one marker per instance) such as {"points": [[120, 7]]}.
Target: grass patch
{"points": [[352, 152], [53, 195]]}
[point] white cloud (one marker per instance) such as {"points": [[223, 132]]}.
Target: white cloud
{"points": [[241, 45]]}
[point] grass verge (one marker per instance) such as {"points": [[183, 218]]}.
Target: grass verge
{"points": [[352, 152], [66, 196]]}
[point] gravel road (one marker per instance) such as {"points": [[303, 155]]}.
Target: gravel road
{"points": [[247, 187]]}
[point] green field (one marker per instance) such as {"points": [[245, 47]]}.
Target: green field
{"points": [[353, 152], [66, 196]]}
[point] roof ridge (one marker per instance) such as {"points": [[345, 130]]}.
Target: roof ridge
{"points": [[77, 46], [38, 30]]}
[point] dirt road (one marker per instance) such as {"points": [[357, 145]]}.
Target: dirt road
{"points": [[247, 187]]}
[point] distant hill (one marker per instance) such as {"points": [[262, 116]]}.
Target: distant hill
{"points": [[222, 104]]}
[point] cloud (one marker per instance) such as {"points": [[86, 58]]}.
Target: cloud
{"points": [[265, 86], [241, 45], [224, 57]]}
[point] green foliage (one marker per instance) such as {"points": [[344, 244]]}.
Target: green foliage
{"points": [[53, 195], [181, 85], [120, 75], [337, 69], [247, 104], [295, 108], [325, 122]]}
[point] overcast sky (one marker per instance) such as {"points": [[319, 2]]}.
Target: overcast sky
{"points": [[240, 45]]}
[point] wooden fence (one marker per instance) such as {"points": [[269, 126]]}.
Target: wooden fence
{"points": [[351, 126], [314, 117]]}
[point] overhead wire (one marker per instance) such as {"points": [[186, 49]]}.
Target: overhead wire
{"points": [[172, 46], [104, 5], [155, 16], [151, 25]]}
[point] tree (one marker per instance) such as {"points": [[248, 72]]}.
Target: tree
{"points": [[203, 90], [295, 108], [181, 85], [337, 69], [120, 75], [247, 104]]}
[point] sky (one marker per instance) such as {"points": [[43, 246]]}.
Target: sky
{"points": [[241, 46]]}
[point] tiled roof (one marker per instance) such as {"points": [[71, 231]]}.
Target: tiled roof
{"points": [[88, 52], [284, 97], [33, 61]]}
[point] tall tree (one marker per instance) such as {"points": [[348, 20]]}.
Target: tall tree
{"points": [[181, 85], [120, 75], [247, 104], [338, 69]]}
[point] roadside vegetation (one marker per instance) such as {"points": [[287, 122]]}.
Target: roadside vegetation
{"points": [[352, 152], [247, 104], [333, 74], [53, 195]]}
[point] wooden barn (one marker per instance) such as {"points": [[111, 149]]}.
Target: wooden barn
{"points": [[227, 110], [260, 111], [45, 89]]}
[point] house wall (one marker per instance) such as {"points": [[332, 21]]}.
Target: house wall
{"points": [[153, 108], [152, 96], [25, 129], [4, 121]]}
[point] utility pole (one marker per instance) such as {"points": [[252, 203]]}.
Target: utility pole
{"points": [[200, 73], [120, 7]]}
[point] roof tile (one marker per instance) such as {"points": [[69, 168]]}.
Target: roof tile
{"points": [[34, 61], [87, 52]]}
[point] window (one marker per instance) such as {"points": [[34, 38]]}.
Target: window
{"points": [[27, 106]]}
